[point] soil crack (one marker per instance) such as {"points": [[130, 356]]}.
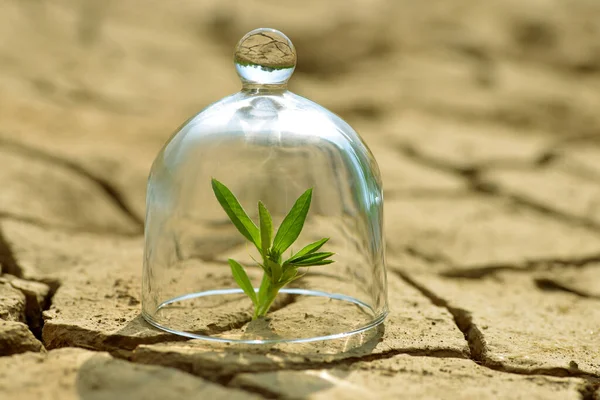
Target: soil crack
{"points": [[462, 319], [477, 343], [482, 271], [111, 192], [550, 285], [473, 175], [10, 266], [65, 228]]}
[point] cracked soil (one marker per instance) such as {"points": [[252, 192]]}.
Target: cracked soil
{"points": [[483, 117]]}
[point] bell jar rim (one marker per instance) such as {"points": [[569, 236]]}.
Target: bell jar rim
{"points": [[378, 318]]}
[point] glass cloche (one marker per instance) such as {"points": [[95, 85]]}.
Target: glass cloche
{"points": [[264, 216]]}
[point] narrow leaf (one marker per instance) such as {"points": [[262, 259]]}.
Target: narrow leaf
{"points": [[266, 228], [292, 224], [311, 248], [236, 213], [314, 263], [312, 257], [240, 276]]}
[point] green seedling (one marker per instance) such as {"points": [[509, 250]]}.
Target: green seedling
{"points": [[277, 272]]}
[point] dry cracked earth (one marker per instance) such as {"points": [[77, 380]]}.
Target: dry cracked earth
{"points": [[483, 117]]}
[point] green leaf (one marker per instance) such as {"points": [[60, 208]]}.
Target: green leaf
{"points": [[313, 264], [292, 224], [236, 213], [266, 228], [240, 276], [311, 248], [317, 263], [312, 259]]}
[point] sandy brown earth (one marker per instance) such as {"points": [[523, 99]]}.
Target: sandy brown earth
{"points": [[483, 117]]}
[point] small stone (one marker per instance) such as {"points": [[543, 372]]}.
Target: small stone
{"points": [[12, 303], [573, 365], [15, 337]]}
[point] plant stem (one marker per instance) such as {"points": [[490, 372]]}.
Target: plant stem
{"points": [[264, 308], [262, 295], [266, 296]]}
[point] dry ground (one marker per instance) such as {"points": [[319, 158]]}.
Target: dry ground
{"points": [[483, 116]]}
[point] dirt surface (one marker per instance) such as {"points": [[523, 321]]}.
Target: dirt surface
{"points": [[483, 117]]}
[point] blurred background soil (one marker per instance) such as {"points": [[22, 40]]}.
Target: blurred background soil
{"points": [[103, 84]]}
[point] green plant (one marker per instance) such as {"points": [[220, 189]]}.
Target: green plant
{"points": [[277, 273]]}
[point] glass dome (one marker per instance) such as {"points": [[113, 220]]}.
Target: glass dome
{"points": [[264, 216]]}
